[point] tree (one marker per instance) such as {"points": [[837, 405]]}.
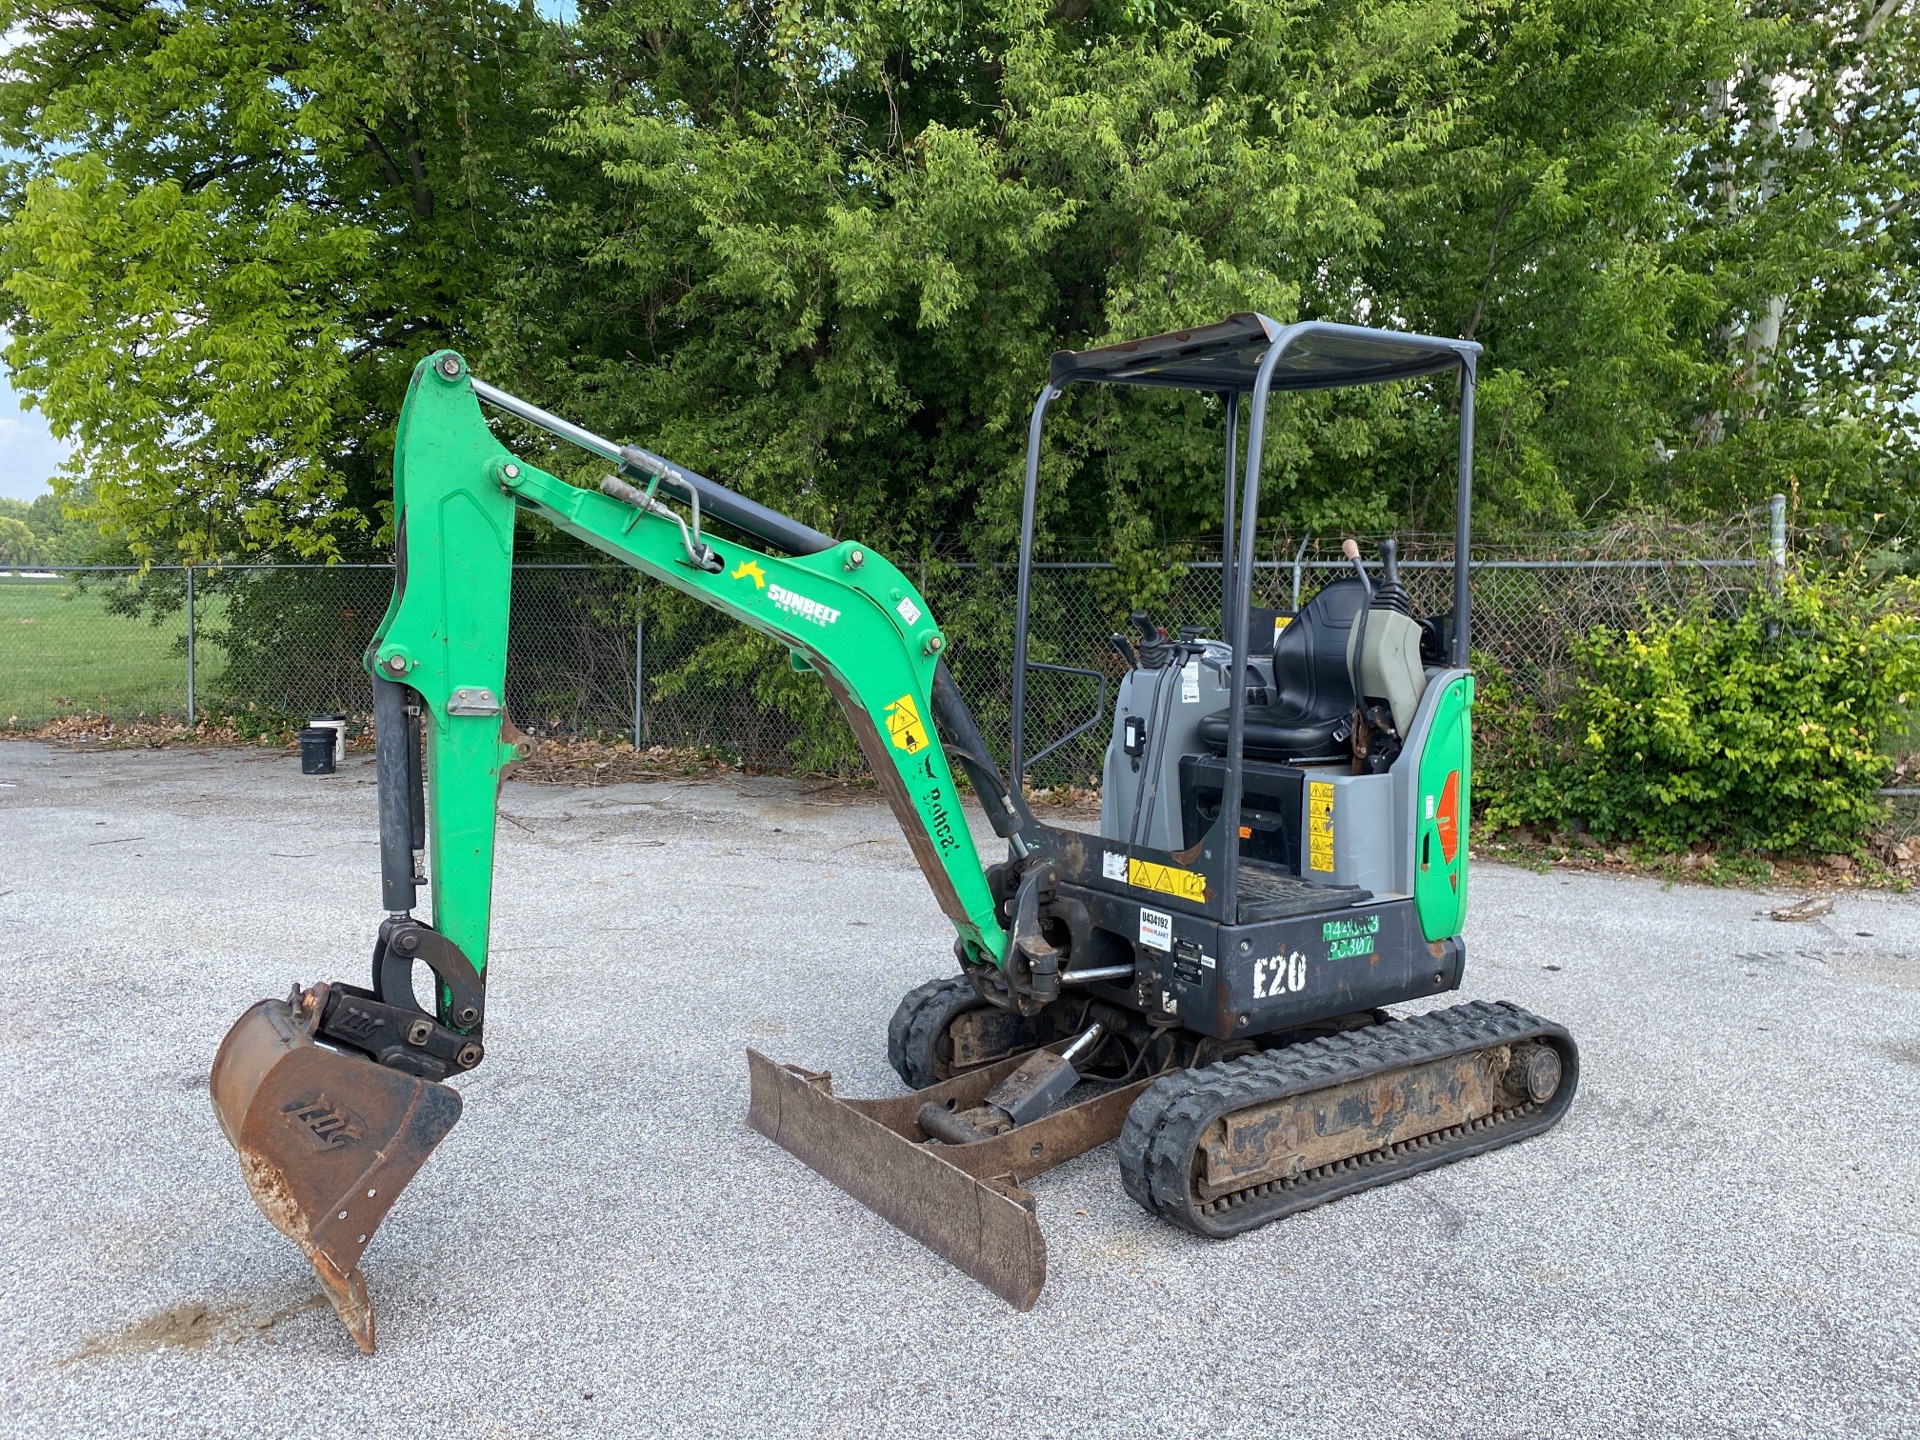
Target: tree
{"points": [[827, 259], [235, 228], [1805, 212], [18, 544], [821, 252]]}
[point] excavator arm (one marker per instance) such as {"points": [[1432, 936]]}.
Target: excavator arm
{"points": [[334, 1098], [843, 610]]}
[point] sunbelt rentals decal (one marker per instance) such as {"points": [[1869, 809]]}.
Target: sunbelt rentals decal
{"points": [[791, 601], [800, 605]]}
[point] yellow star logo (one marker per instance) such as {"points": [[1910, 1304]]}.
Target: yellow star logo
{"points": [[751, 569]]}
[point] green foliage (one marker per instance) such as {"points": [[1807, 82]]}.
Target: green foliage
{"points": [[822, 253], [235, 229], [18, 544], [1763, 732], [1518, 759], [292, 640], [53, 537]]}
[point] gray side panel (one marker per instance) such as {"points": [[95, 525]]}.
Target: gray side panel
{"points": [[1363, 846]]}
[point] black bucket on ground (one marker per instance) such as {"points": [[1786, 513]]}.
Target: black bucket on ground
{"points": [[316, 750]]}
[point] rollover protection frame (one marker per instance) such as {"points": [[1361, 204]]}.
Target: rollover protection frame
{"points": [[1244, 360]]}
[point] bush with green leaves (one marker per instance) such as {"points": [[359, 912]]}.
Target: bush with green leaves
{"points": [[1517, 751], [1763, 731]]}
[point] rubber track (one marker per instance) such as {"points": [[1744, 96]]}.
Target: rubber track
{"points": [[922, 1015], [1165, 1127]]}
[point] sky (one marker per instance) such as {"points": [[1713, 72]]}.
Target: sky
{"points": [[28, 454]]}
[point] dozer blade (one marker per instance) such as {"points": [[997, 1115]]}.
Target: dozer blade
{"points": [[327, 1141], [964, 1202]]}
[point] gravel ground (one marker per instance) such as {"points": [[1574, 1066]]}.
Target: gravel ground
{"points": [[1722, 1238]]}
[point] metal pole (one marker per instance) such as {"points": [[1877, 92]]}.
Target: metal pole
{"points": [[1231, 797], [639, 662], [1777, 543], [1297, 556], [1023, 594], [190, 694], [1226, 528], [1463, 523]]}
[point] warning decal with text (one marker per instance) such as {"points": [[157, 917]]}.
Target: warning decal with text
{"points": [[1320, 826]]}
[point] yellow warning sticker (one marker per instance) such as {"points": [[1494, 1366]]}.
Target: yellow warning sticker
{"points": [[1320, 826], [750, 570], [1167, 879], [904, 727]]}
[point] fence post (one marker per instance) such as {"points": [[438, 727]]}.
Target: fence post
{"points": [[1777, 543], [639, 661], [190, 695], [1296, 570]]}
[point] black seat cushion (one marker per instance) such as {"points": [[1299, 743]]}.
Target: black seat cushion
{"points": [[1313, 694]]}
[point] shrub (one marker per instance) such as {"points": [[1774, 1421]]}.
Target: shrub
{"points": [[1518, 752], [1763, 731]]}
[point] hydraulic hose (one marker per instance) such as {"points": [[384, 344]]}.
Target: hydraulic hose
{"points": [[390, 743], [716, 500]]}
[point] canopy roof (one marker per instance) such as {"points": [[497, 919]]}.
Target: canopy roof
{"points": [[1225, 357]]}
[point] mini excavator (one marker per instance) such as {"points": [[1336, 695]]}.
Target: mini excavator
{"points": [[1282, 854]]}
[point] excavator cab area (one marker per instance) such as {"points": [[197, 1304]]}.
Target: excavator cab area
{"points": [[1288, 763]]}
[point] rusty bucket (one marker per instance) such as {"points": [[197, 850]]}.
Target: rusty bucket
{"points": [[327, 1141]]}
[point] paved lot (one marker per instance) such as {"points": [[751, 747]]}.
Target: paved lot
{"points": [[1723, 1238]]}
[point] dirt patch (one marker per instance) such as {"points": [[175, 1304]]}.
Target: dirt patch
{"points": [[97, 732], [191, 1326], [593, 762]]}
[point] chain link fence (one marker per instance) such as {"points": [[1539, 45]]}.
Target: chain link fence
{"points": [[597, 652]]}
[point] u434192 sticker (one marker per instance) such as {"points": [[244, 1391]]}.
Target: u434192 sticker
{"points": [[1156, 929]]}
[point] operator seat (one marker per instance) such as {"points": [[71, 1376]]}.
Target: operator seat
{"points": [[1313, 694]]}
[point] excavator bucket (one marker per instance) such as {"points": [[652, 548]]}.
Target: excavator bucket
{"points": [[327, 1141], [965, 1202]]}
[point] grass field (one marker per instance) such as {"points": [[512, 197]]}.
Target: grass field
{"points": [[63, 652]]}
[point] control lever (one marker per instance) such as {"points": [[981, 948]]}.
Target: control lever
{"points": [[1391, 595], [1350, 548]]}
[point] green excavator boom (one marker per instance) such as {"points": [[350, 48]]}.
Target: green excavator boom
{"points": [[847, 611]]}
